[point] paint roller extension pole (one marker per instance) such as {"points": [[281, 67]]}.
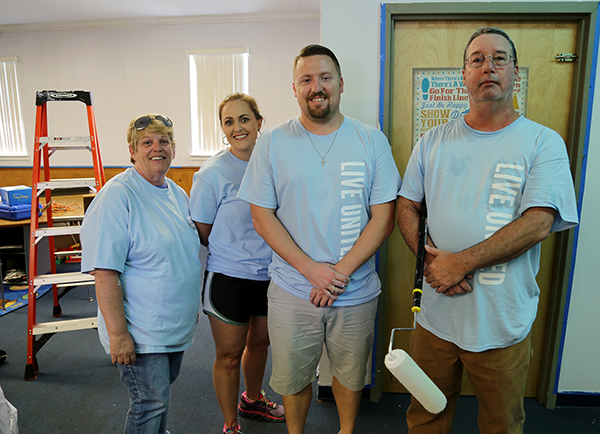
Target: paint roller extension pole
{"points": [[418, 286], [399, 363]]}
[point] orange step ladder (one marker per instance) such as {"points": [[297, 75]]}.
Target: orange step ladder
{"points": [[39, 333]]}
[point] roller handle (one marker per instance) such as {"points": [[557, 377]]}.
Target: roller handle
{"points": [[418, 291]]}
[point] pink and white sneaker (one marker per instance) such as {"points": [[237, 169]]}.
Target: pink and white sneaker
{"points": [[262, 408]]}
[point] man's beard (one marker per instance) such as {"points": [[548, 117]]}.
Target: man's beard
{"points": [[322, 114]]}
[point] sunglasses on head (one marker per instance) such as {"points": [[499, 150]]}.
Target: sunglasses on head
{"points": [[144, 121]]}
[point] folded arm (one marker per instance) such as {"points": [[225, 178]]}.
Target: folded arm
{"points": [[320, 275], [377, 230], [508, 243], [408, 216]]}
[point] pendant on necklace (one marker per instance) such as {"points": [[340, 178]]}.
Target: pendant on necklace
{"points": [[332, 142]]}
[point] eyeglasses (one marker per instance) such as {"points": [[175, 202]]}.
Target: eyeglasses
{"points": [[143, 122], [476, 60]]}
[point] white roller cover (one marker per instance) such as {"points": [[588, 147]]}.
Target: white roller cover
{"points": [[414, 379]]}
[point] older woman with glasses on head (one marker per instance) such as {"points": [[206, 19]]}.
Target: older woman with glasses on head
{"points": [[142, 247]]}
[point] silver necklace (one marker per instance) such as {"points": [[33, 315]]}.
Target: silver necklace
{"points": [[332, 142]]}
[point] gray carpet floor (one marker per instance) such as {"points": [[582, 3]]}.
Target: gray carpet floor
{"points": [[78, 389]]}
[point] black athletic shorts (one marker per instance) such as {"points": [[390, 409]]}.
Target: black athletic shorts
{"points": [[232, 299]]}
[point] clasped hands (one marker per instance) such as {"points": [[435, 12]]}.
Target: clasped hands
{"points": [[327, 284], [445, 272]]}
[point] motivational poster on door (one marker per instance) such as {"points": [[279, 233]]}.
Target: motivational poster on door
{"points": [[439, 96]]}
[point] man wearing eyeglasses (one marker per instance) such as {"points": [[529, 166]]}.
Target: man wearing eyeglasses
{"points": [[496, 185]]}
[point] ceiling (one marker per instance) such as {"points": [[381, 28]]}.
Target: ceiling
{"points": [[16, 13]]}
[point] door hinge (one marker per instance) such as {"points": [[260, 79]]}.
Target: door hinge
{"points": [[566, 57]]}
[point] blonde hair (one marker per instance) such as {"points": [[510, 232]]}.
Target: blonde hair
{"points": [[155, 126], [240, 97]]}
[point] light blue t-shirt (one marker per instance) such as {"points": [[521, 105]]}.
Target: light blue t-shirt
{"points": [[324, 208], [234, 247], [475, 183], [147, 235]]}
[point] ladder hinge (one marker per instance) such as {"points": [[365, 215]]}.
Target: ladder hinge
{"points": [[566, 57]]}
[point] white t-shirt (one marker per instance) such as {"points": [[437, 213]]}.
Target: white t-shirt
{"points": [[147, 235], [475, 183], [234, 247], [324, 208]]}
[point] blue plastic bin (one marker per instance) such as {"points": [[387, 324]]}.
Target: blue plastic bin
{"points": [[16, 212]]}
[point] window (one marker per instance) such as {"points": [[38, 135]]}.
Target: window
{"points": [[214, 74], [12, 131]]}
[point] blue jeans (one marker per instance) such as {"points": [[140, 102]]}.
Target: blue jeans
{"points": [[148, 382]]}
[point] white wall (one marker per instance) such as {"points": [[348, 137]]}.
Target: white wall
{"points": [[137, 70], [353, 33], [581, 354]]}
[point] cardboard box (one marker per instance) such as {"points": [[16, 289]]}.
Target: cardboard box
{"points": [[17, 195]]}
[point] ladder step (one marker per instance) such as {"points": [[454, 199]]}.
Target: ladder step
{"points": [[58, 230], [68, 147], [67, 218], [65, 285], [67, 253], [55, 279], [67, 183], [67, 141], [65, 326]]}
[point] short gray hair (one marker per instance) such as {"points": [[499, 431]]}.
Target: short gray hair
{"points": [[494, 31]]}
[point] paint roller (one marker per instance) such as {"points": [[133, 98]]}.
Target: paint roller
{"points": [[399, 363]]}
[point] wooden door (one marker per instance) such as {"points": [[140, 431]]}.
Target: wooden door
{"points": [[441, 44]]}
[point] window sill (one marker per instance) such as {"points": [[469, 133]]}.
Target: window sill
{"points": [[14, 157], [200, 158]]}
